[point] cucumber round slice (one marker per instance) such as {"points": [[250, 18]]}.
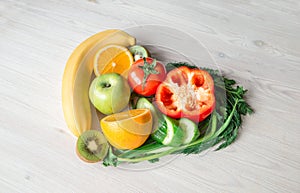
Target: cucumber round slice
{"points": [[160, 133], [143, 103], [175, 134], [169, 133], [138, 52], [190, 129]]}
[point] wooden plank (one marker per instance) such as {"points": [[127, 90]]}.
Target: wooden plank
{"points": [[254, 42]]}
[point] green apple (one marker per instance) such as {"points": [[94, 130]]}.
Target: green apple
{"points": [[109, 93]]}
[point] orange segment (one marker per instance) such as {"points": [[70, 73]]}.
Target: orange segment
{"points": [[112, 58], [127, 130]]}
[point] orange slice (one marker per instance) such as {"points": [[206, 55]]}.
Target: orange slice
{"points": [[127, 130], [113, 58]]}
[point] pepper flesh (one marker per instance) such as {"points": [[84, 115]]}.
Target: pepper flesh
{"points": [[186, 93]]}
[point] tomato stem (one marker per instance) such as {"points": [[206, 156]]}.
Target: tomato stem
{"points": [[148, 69]]}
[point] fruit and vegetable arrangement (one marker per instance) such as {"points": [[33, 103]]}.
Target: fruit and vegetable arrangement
{"points": [[125, 106]]}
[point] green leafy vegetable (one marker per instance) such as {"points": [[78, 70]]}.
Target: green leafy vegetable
{"points": [[220, 128]]}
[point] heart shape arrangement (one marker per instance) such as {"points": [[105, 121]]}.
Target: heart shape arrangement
{"points": [[126, 106]]}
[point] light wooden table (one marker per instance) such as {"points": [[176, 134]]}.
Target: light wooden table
{"points": [[254, 42]]}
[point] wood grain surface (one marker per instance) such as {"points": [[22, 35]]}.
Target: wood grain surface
{"points": [[255, 42]]}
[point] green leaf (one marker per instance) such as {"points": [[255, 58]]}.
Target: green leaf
{"points": [[111, 159], [153, 160], [171, 66]]}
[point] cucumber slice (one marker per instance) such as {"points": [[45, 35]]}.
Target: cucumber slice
{"points": [[138, 52], [174, 133], [190, 129], [160, 134], [143, 103], [169, 133]]}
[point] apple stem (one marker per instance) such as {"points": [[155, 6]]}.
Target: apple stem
{"points": [[106, 85]]}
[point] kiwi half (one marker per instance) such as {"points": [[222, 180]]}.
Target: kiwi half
{"points": [[92, 146]]}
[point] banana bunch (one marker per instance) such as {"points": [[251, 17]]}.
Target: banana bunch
{"points": [[78, 72]]}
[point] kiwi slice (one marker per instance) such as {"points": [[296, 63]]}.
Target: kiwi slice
{"points": [[138, 52], [92, 146]]}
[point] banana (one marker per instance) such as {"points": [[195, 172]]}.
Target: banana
{"points": [[77, 109]]}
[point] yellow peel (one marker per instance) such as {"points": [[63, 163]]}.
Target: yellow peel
{"points": [[77, 76]]}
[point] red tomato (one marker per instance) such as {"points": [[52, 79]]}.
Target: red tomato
{"points": [[186, 93], [145, 75]]}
